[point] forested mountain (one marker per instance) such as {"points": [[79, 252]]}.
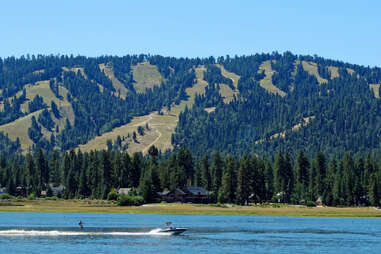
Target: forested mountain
{"points": [[256, 104]]}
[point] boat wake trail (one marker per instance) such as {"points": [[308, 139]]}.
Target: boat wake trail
{"points": [[18, 232]]}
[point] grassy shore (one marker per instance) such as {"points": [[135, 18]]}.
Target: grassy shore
{"points": [[100, 206]]}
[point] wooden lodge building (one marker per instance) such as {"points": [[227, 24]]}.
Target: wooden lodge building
{"points": [[189, 194]]}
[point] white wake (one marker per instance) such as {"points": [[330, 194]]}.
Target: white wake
{"points": [[21, 232]]}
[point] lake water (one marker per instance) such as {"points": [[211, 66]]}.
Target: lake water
{"points": [[135, 233]]}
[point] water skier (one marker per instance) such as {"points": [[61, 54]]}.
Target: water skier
{"points": [[80, 223]]}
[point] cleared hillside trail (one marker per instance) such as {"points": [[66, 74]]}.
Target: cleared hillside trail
{"points": [[153, 143], [145, 121]]}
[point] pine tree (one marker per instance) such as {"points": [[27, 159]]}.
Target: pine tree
{"points": [[337, 192], [283, 177], [197, 175], [107, 172], [243, 182], [269, 180], [94, 175], [348, 179], [374, 197], [83, 189], [185, 161], [257, 179], [42, 169], [328, 197], [65, 167], [126, 168], [137, 165], [319, 169], [229, 181], [55, 176], [11, 187], [288, 177], [302, 169], [216, 169], [117, 165], [71, 184], [206, 180], [32, 176], [278, 167], [146, 187]]}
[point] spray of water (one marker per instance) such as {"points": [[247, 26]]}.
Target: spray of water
{"points": [[18, 232]]}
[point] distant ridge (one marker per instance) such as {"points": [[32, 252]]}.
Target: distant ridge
{"points": [[227, 104]]}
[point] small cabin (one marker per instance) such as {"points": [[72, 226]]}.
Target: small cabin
{"points": [[20, 191], [124, 191], [56, 189]]}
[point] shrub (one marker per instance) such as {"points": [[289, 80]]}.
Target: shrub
{"points": [[126, 200], [218, 204], [6, 196], [311, 204], [137, 200], [49, 192], [31, 196], [112, 195], [52, 198]]}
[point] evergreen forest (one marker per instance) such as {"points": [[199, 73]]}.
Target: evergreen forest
{"points": [[342, 181]]}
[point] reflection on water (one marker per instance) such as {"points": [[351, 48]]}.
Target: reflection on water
{"points": [[127, 233]]}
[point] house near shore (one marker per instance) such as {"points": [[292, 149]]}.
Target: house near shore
{"points": [[124, 191], [20, 191], [56, 189], [189, 194]]}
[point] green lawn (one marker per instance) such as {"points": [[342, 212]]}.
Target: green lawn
{"points": [[100, 206]]}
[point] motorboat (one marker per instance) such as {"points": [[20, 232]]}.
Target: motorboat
{"points": [[172, 230]]}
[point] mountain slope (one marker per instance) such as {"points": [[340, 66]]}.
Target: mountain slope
{"points": [[234, 105]]}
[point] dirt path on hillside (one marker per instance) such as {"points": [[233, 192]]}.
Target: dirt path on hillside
{"points": [[144, 122], [153, 142]]}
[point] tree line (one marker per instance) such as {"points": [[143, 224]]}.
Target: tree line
{"points": [[344, 181]]}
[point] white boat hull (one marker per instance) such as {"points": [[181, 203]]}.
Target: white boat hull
{"points": [[173, 231]]}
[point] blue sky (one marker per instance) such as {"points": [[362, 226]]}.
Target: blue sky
{"points": [[343, 30]]}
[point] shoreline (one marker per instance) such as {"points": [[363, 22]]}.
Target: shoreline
{"points": [[103, 206]]}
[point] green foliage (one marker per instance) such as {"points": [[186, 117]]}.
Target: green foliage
{"points": [[141, 130], [347, 181], [112, 195], [5, 196], [36, 104], [32, 196], [9, 147], [53, 198], [45, 120], [34, 132], [310, 204], [126, 200]]}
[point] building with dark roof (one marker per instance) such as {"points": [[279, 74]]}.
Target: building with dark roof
{"points": [[190, 194]]}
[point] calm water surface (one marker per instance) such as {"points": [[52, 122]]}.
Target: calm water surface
{"points": [[135, 233]]}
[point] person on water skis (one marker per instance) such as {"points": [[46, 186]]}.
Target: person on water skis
{"points": [[80, 223]]}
